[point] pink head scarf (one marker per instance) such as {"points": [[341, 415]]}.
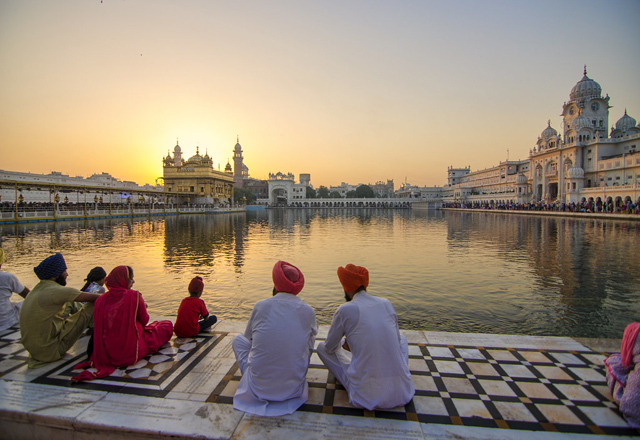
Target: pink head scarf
{"points": [[287, 278]]}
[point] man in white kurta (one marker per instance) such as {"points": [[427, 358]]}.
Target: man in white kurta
{"points": [[372, 363], [274, 351], [9, 310]]}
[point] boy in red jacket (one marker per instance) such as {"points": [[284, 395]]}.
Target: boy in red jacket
{"points": [[192, 308]]}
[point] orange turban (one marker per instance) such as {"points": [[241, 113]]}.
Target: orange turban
{"points": [[352, 277], [287, 278]]}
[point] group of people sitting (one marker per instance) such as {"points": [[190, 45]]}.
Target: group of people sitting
{"points": [[364, 349]]}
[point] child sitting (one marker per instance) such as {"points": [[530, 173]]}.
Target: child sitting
{"points": [[191, 310]]}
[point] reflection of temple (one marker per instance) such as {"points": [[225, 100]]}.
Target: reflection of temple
{"points": [[203, 241], [194, 180], [561, 257]]}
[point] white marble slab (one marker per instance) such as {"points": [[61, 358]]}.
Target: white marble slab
{"points": [[163, 416], [506, 341], [316, 426], [24, 374], [223, 349], [414, 336], [46, 399], [230, 326], [454, 432]]}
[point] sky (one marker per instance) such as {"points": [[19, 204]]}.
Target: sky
{"points": [[348, 91]]}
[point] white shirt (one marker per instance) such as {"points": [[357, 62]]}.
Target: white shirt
{"points": [[378, 375], [282, 330], [9, 311]]}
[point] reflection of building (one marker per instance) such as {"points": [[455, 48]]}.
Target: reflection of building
{"points": [[581, 164], [195, 180]]}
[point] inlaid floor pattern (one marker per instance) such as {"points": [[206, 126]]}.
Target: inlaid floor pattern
{"points": [[497, 387]]}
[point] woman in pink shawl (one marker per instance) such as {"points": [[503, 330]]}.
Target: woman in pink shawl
{"points": [[623, 375], [121, 335]]}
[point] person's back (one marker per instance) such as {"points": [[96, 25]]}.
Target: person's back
{"points": [[9, 284], [378, 373], [274, 351], [192, 308], [280, 346]]}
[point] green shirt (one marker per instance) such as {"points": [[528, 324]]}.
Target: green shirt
{"points": [[41, 322]]}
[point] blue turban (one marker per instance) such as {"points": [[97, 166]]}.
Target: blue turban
{"points": [[51, 267]]}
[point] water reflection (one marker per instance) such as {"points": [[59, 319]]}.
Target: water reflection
{"points": [[471, 272]]}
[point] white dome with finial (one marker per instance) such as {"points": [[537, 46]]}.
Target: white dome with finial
{"points": [[625, 122], [548, 132], [585, 88]]}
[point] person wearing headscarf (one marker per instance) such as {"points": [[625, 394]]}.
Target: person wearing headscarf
{"points": [[122, 333], [274, 352], [372, 362], [623, 375], [9, 284], [46, 334]]}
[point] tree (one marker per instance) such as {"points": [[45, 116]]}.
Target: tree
{"points": [[239, 193], [323, 192], [351, 194], [334, 195], [365, 192], [311, 193]]}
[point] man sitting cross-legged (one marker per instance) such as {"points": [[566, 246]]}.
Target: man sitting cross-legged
{"points": [[372, 364], [274, 351]]}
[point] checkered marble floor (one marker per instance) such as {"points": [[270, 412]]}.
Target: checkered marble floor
{"points": [[508, 383]]}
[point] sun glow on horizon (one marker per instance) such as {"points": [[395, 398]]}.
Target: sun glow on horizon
{"points": [[353, 92]]}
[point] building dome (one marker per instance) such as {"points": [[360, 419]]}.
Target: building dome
{"points": [[227, 168], [238, 148], [580, 122], [521, 179], [177, 149], [585, 88], [625, 122], [575, 173], [548, 132], [196, 158]]}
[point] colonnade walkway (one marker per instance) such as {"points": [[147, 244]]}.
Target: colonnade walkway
{"points": [[470, 386]]}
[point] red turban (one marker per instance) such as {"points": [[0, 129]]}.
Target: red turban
{"points": [[196, 285], [287, 278], [352, 277]]}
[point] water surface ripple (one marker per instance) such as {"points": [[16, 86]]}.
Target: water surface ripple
{"points": [[443, 271]]}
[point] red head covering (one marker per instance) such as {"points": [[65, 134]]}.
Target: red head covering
{"points": [[118, 279], [352, 277], [631, 333], [196, 285], [287, 278]]}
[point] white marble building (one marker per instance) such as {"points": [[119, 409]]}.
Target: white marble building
{"points": [[583, 163]]}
